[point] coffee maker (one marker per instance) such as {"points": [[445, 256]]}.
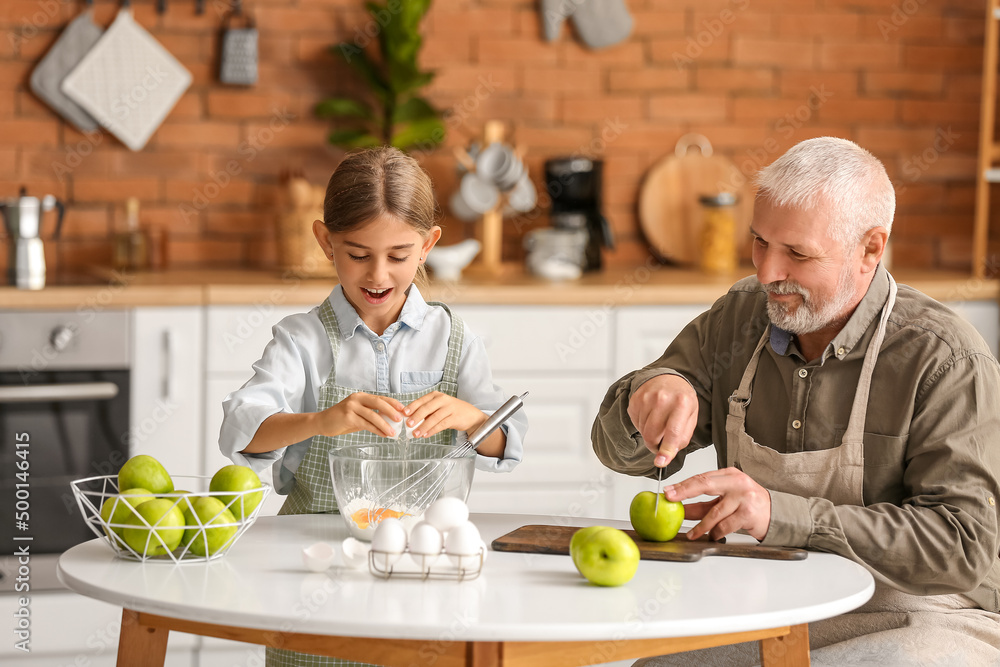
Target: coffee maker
{"points": [[22, 217], [574, 186]]}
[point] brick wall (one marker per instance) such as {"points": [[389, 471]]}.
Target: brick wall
{"points": [[901, 77]]}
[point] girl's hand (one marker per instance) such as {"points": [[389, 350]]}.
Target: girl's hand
{"points": [[439, 412], [361, 412]]}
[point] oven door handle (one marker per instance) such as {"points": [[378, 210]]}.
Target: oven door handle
{"points": [[74, 391]]}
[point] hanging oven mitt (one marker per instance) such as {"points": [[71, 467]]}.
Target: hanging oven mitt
{"points": [[600, 23], [127, 81], [238, 60], [75, 41]]}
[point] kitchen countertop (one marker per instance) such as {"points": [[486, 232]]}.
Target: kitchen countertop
{"points": [[616, 286]]}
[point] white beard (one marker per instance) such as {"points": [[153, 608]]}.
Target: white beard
{"points": [[809, 316]]}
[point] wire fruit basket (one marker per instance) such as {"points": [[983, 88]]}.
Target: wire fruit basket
{"points": [[215, 528]]}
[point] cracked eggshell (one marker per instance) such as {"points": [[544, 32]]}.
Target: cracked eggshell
{"points": [[355, 553], [319, 556]]}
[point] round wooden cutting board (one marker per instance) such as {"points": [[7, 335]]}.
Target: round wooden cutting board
{"points": [[669, 212]]}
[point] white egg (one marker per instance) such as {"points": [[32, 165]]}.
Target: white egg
{"points": [[390, 536], [355, 553], [318, 557], [463, 540], [446, 513], [425, 539]]}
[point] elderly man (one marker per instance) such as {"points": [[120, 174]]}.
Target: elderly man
{"points": [[849, 415]]}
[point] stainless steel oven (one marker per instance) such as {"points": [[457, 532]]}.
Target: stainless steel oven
{"points": [[64, 414]]}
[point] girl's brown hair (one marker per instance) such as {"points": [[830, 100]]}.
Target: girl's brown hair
{"points": [[374, 182]]}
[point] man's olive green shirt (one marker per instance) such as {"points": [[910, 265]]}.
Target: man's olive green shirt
{"points": [[929, 524]]}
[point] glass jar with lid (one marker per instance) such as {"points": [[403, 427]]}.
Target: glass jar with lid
{"points": [[718, 233]]}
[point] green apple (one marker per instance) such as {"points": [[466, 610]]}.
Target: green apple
{"points": [[655, 522], [117, 509], [605, 556], [165, 533], [577, 538], [184, 499], [234, 478], [145, 472], [208, 512]]}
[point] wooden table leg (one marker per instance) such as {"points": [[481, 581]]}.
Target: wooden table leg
{"points": [[484, 654], [791, 650], [140, 645]]}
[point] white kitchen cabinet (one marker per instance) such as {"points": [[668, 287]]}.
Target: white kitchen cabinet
{"points": [[560, 355], [235, 337], [167, 387]]}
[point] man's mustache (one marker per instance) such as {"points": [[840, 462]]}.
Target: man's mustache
{"points": [[786, 287]]}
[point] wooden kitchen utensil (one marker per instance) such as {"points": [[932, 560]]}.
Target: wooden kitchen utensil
{"points": [[538, 539], [669, 213]]}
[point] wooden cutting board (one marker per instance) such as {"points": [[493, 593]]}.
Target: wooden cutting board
{"points": [[670, 214], [539, 539]]}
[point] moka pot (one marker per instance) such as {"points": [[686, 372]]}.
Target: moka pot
{"points": [[22, 218]]}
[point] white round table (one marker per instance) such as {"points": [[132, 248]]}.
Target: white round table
{"points": [[524, 609]]}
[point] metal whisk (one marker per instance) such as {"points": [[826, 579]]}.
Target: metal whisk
{"points": [[437, 471]]}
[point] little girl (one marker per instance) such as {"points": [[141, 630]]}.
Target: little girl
{"points": [[373, 351]]}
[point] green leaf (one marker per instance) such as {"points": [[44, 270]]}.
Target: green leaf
{"points": [[344, 107], [359, 61], [353, 139], [426, 133], [415, 108]]}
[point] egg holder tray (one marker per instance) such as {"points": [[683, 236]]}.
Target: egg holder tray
{"points": [[91, 493], [432, 571]]}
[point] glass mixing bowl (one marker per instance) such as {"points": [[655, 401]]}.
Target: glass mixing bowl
{"points": [[375, 482]]}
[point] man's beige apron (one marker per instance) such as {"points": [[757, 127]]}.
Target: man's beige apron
{"points": [[313, 490], [893, 629]]}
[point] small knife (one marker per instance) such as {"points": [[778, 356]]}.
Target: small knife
{"points": [[659, 480]]}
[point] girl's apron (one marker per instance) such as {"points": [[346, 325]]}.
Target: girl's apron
{"points": [[313, 490], [893, 628]]}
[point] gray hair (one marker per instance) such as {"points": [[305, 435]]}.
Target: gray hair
{"points": [[836, 172]]}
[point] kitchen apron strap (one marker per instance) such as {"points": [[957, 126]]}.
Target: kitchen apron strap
{"points": [[332, 326], [859, 410], [740, 399], [456, 339]]}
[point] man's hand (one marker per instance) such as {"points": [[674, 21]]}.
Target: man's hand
{"points": [[665, 411], [741, 504]]}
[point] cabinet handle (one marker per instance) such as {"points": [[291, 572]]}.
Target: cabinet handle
{"points": [[167, 373], [77, 391]]}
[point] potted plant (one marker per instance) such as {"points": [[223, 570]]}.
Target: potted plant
{"points": [[396, 113]]}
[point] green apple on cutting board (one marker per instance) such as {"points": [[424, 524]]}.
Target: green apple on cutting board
{"points": [[655, 522]]}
